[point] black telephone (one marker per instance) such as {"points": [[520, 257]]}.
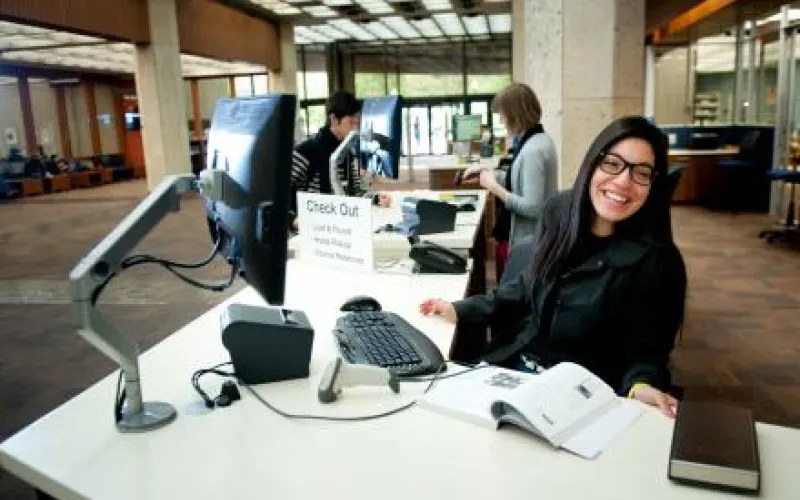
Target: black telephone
{"points": [[433, 258]]}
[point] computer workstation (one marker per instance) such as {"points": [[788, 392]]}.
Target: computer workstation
{"points": [[248, 450]]}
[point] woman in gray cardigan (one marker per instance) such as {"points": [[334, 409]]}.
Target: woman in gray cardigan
{"points": [[532, 176]]}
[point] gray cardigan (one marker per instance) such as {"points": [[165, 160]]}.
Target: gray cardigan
{"points": [[534, 177]]}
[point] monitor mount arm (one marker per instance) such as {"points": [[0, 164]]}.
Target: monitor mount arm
{"points": [[337, 157], [104, 260]]}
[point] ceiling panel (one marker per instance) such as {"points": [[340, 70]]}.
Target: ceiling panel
{"points": [[413, 20], [21, 44]]}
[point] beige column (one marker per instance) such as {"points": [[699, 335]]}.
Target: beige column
{"points": [[160, 89], [285, 80], [585, 61]]}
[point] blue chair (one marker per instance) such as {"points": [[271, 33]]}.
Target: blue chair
{"points": [[742, 171], [789, 230]]}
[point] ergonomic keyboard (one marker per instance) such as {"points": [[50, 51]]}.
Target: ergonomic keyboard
{"points": [[385, 339]]}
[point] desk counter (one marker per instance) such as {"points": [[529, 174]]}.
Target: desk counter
{"points": [[247, 451]]}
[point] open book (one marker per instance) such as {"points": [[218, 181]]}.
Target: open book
{"points": [[567, 405]]}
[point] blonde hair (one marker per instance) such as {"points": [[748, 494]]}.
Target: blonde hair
{"points": [[520, 107]]}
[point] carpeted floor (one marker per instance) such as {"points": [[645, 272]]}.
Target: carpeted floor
{"points": [[740, 342]]}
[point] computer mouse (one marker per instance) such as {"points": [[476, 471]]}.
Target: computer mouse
{"points": [[361, 303]]}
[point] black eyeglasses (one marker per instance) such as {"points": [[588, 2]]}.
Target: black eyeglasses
{"points": [[641, 173]]}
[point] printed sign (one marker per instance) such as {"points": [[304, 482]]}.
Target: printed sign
{"points": [[335, 230]]}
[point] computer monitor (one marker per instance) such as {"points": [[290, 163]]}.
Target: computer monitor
{"points": [[467, 128], [381, 135], [251, 140]]}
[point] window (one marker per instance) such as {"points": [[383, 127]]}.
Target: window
{"points": [[260, 84], [242, 86]]}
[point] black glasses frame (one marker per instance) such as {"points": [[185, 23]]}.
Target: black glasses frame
{"points": [[631, 167]]}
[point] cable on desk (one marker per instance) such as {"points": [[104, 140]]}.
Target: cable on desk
{"points": [[360, 418]]}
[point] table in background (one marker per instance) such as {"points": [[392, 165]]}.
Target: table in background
{"points": [[702, 180]]}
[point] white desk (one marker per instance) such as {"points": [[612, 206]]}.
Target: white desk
{"points": [[246, 451]]}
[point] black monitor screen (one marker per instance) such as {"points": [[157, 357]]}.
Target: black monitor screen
{"points": [[251, 139], [381, 133]]}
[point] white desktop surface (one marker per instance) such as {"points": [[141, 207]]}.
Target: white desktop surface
{"points": [[246, 451]]}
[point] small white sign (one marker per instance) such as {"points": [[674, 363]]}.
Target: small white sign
{"points": [[335, 230]]}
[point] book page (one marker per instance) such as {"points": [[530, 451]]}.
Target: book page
{"points": [[594, 438], [470, 395], [559, 401]]}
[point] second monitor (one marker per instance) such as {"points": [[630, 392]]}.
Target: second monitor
{"points": [[381, 132]]}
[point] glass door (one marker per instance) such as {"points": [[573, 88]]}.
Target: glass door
{"points": [[419, 128], [441, 125]]}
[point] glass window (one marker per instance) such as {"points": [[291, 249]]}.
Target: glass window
{"points": [[480, 108], [316, 118], [370, 84], [242, 86], [419, 128], [427, 85], [487, 84], [260, 84], [316, 84]]}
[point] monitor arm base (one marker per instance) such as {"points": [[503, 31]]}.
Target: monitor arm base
{"points": [[90, 275]]}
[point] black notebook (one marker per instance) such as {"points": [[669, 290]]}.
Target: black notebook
{"points": [[715, 445]]}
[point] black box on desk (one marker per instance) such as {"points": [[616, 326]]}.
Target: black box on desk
{"points": [[267, 344], [421, 216]]}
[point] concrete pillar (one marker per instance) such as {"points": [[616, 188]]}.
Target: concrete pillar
{"points": [[285, 80], [160, 90], [585, 61]]}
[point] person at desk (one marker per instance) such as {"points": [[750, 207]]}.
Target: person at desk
{"points": [[531, 176], [605, 286], [310, 162]]}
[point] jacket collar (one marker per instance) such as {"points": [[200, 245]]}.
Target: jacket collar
{"points": [[619, 253], [326, 138]]}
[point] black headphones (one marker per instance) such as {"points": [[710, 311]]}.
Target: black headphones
{"points": [[228, 394]]}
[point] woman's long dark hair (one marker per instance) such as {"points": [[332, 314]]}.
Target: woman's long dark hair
{"points": [[563, 227]]}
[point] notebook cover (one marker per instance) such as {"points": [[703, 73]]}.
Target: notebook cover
{"points": [[717, 435]]}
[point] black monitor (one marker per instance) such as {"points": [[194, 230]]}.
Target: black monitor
{"points": [[251, 139], [381, 135]]}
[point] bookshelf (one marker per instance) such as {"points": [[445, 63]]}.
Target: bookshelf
{"points": [[706, 108]]}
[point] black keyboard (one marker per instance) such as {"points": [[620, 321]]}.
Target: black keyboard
{"points": [[385, 339]]}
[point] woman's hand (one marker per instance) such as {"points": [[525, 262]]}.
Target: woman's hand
{"points": [[652, 396], [439, 307], [487, 179], [472, 174]]}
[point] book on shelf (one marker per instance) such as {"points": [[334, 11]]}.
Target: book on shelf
{"points": [[715, 445], [566, 405]]}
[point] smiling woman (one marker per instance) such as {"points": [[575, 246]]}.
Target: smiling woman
{"points": [[605, 285]]}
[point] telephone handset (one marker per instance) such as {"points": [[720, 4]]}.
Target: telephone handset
{"points": [[433, 258]]}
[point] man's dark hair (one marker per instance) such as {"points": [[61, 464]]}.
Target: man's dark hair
{"points": [[341, 104]]}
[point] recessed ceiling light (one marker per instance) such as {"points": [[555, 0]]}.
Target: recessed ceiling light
{"points": [[437, 5], [449, 24], [321, 11], [500, 23], [376, 6]]}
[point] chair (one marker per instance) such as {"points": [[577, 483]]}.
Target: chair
{"points": [[789, 230], [740, 172], [518, 259]]}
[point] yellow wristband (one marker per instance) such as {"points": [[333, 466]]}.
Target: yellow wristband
{"points": [[636, 387]]}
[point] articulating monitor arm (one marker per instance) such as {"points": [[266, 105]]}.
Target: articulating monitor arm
{"points": [[91, 274]]}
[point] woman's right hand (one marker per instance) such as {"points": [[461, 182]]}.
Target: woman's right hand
{"points": [[439, 307], [472, 174]]}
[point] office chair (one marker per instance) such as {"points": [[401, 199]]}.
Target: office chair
{"points": [[789, 229], [740, 172]]}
